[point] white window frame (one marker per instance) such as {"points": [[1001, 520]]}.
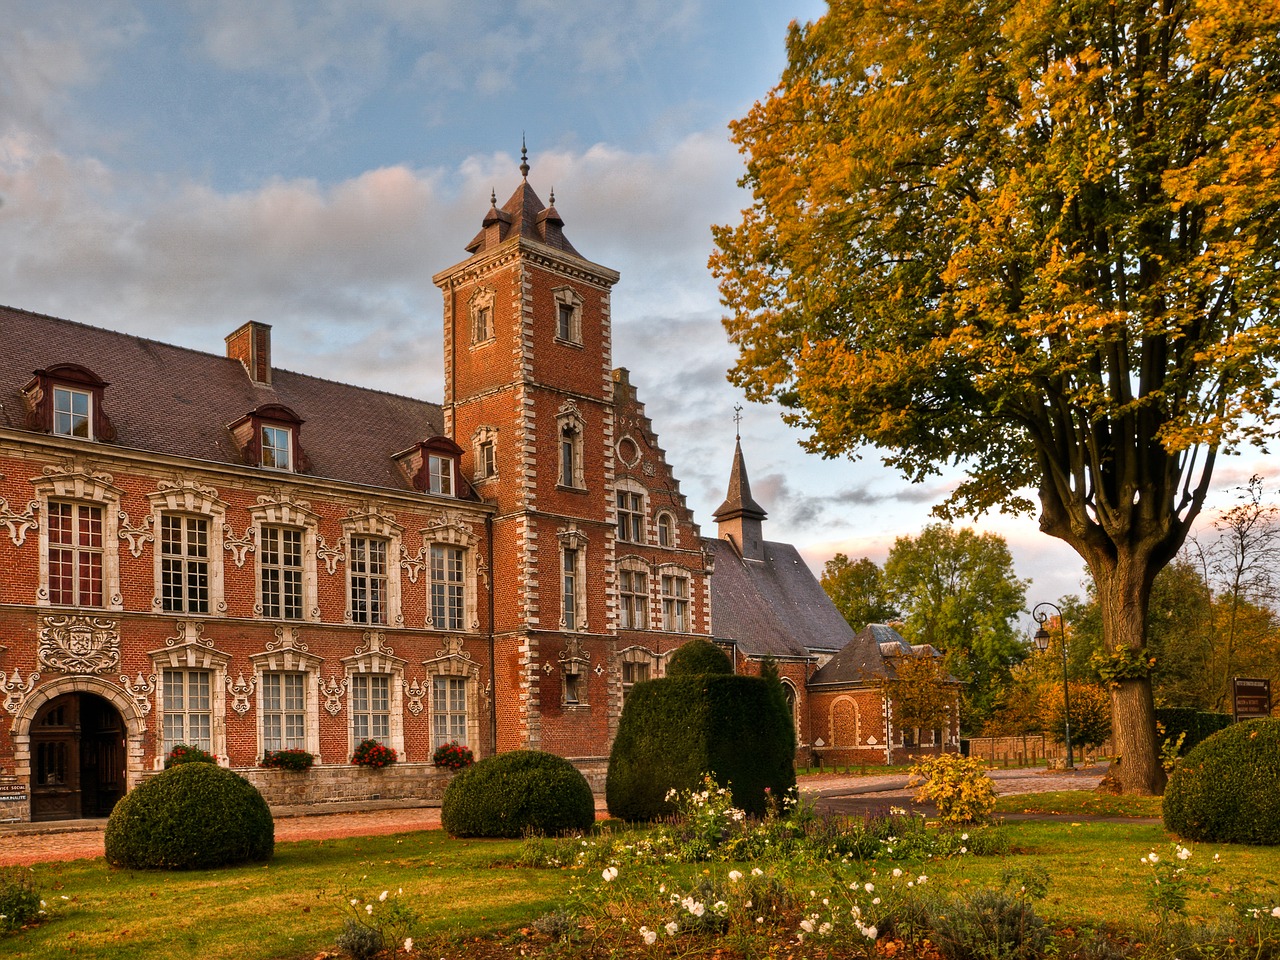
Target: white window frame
{"points": [[484, 450], [272, 455], [440, 470], [447, 586], [631, 501], [676, 604], [666, 527], [454, 663], [287, 654], [189, 498], [628, 604], [283, 511], [373, 658], [189, 651], [573, 581], [72, 417], [570, 471], [451, 531], [75, 484]]}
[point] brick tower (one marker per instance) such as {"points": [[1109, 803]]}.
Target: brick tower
{"points": [[529, 398]]}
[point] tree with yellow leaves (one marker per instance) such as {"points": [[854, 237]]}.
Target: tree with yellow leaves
{"points": [[1036, 238]]}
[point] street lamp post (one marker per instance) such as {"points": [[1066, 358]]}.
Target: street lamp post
{"points": [[1042, 644]]}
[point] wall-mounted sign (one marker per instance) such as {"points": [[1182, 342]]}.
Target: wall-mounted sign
{"points": [[1250, 698]]}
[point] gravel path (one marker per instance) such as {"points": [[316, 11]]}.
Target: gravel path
{"points": [[26, 843]]}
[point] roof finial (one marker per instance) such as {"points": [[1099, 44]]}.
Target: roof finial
{"points": [[553, 196], [737, 421], [493, 197], [524, 158]]}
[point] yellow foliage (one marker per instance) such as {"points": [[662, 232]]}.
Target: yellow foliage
{"points": [[957, 785]]}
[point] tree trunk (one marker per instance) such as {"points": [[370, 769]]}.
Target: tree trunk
{"points": [[1124, 591]]}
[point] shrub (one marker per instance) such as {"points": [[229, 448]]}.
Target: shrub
{"points": [[511, 794], [20, 903], [957, 785], [1196, 724], [989, 925], [192, 816], [186, 753], [675, 730], [370, 753], [292, 759], [453, 755], [1224, 790], [697, 658]]}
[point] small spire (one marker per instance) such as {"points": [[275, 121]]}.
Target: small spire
{"points": [[493, 197], [737, 421], [553, 196], [524, 158]]}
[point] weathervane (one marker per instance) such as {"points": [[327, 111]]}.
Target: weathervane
{"points": [[737, 421]]}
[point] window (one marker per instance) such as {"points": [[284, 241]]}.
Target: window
{"points": [[371, 708], [184, 564], [568, 315], [75, 554], [487, 461], [280, 551], [448, 710], [675, 603], [574, 687], [633, 672], [284, 711], [666, 530], [188, 709], [483, 329], [569, 442], [569, 593], [367, 565], [633, 594], [72, 413], [447, 593], [441, 475], [630, 516], [276, 447]]}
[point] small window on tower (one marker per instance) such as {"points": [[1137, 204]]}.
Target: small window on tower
{"points": [[568, 316]]}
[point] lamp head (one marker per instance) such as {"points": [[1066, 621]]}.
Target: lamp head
{"points": [[1042, 639]]}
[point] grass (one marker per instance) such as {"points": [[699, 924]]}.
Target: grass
{"points": [[293, 908], [1079, 803]]}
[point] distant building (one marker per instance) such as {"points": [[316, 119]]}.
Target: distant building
{"points": [[209, 550]]}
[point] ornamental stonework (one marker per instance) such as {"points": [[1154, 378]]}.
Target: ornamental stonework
{"points": [[74, 644]]}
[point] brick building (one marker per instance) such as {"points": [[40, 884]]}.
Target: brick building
{"points": [[207, 549]]}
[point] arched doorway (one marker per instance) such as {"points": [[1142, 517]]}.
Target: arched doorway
{"points": [[77, 758]]}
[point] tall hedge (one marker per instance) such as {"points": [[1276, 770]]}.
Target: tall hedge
{"points": [[1196, 724], [1225, 790], [697, 657], [675, 729]]}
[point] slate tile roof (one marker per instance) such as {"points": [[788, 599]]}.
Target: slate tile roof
{"points": [[773, 607], [869, 656], [176, 401]]}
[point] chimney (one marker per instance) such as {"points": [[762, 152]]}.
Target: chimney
{"points": [[251, 345]]}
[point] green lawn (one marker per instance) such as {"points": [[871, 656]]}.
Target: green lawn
{"points": [[294, 907]]}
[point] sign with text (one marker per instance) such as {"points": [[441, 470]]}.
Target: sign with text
{"points": [[1250, 698]]}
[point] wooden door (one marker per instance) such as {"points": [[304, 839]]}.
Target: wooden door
{"points": [[55, 760]]}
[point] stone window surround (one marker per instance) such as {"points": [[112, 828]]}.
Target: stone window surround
{"points": [[566, 296], [573, 539], [190, 651], [635, 564], [453, 661], [484, 434], [638, 654], [570, 425], [374, 524], [282, 511], [190, 498], [74, 483], [685, 574], [625, 485], [576, 662], [482, 298], [372, 657], [666, 529], [286, 654], [451, 532]]}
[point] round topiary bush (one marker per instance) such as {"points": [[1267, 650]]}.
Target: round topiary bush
{"points": [[698, 657], [1224, 791], [513, 793], [190, 817]]}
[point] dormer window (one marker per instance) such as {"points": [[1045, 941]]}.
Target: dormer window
{"points": [[72, 413], [441, 474], [277, 444], [269, 438], [66, 401]]}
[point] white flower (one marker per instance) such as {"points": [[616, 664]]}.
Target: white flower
{"points": [[698, 909], [1184, 853], [735, 876], [650, 936], [382, 897], [964, 849], [759, 919], [1275, 912], [368, 908], [875, 901], [354, 901], [671, 928], [806, 925], [610, 874], [408, 944], [896, 873], [1152, 857], [921, 879], [757, 872], [871, 932], [869, 887], [964, 836]]}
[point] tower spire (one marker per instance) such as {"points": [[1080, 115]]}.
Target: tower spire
{"points": [[524, 158]]}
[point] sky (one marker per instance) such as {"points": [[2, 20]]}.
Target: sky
{"points": [[173, 169]]}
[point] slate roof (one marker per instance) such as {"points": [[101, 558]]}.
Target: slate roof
{"points": [[773, 607], [868, 656], [523, 215], [176, 401]]}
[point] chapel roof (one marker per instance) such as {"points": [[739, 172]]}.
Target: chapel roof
{"points": [[175, 401], [869, 657]]}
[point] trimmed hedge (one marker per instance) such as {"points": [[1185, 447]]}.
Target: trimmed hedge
{"points": [[675, 729], [1196, 724], [1224, 791], [698, 657], [511, 794], [190, 817]]}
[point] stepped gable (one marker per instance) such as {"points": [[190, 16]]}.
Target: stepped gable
{"points": [[179, 402], [776, 607], [867, 657]]}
